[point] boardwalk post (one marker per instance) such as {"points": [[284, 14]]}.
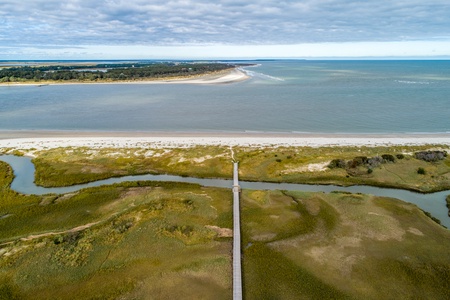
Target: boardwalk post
{"points": [[237, 273]]}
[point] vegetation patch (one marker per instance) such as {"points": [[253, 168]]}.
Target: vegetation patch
{"points": [[431, 156], [124, 241], [270, 275], [69, 166], [108, 72], [172, 240], [350, 246], [447, 199], [394, 166]]}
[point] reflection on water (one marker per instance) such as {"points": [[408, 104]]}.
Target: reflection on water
{"points": [[24, 177]]}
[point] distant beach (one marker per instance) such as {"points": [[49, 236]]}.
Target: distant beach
{"points": [[221, 77]]}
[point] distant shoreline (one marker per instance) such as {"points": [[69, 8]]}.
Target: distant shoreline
{"points": [[220, 77]]}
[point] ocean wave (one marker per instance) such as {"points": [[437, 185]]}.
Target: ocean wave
{"points": [[429, 132], [254, 66], [261, 75], [412, 82]]}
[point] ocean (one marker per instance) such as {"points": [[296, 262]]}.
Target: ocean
{"points": [[282, 96]]}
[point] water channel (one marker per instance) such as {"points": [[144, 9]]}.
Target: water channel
{"points": [[433, 203]]}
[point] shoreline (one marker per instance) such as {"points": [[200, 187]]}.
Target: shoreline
{"points": [[23, 139], [221, 77]]}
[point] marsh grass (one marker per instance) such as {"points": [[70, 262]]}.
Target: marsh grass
{"points": [[343, 246], [270, 275], [142, 238], [290, 165], [154, 240], [68, 166]]}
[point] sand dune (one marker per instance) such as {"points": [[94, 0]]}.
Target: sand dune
{"points": [[48, 140]]}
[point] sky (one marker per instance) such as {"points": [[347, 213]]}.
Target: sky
{"points": [[220, 29]]}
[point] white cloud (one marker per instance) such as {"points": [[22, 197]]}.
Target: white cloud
{"points": [[416, 49], [223, 22]]}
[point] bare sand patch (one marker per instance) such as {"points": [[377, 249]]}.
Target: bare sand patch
{"points": [[317, 167], [415, 231], [221, 232]]}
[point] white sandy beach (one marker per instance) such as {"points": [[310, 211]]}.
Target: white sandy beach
{"points": [[23, 140], [234, 75]]}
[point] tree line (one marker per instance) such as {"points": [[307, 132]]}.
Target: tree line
{"points": [[107, 72]]}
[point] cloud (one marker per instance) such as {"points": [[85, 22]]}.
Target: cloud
{"points": [[358, 50], [224, 22]]}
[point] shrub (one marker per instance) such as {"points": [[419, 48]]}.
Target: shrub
{"points": [[58, 240], [432, 218], [357, 161], [421, 171], [72, 237], [400, 156], [431, 156], [122, 225], [374, 161], [448, 204], [337, 163], [388, 157]]}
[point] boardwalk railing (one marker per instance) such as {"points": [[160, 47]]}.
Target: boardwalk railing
{"points": [[237, 272]]}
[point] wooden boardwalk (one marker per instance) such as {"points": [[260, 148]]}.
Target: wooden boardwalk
{"points": [[237, 271]]}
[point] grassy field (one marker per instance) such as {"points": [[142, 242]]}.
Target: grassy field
{"points": [[300, 245], [144, 240], [134, 241], [310, 165], [68, 166]]}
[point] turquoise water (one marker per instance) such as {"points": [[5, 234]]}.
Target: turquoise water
{"points": [[281, 96]]}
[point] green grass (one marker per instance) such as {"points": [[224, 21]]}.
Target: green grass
{"points": [[68, 166], [279, 217], [343, 245], [145, 239], [160, 240], [265, 165], [270, 275]]}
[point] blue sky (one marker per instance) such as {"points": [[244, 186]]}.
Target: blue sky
{"points": [[121, 29]]}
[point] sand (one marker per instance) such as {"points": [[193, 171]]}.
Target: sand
{"points": [[222, 77], [41, 140]]}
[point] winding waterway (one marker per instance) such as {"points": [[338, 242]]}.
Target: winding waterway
{"points": [[23, 182]]}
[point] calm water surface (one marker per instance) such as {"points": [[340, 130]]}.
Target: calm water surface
{"points": [[281, 96]]}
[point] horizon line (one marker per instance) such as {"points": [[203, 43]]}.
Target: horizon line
{"points": [[237, 59]]}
